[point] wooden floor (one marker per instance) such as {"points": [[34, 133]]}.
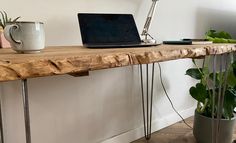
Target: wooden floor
{"points": [[177, 133]]}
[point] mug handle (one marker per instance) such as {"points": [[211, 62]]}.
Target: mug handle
{"points": [[8, 35]]}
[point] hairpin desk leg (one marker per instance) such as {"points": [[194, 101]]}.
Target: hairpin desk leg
{"points": [[26, 110], [147, 117], [213, 100], [218, 99]]}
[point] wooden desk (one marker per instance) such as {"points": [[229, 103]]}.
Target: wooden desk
{"points": [[77, 59]]}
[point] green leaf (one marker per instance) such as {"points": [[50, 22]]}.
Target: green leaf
{"points": [[224, 35], [210, 33], [234, 67], [194, 73], [221, 34], [231, 79], [3, 19], [194, 62], [220, 40], [219, 37], [14, 20], [6, 18], [232, 41], [205, 71], [1, 24], [217, 78], [199, 92], [229, 103]]}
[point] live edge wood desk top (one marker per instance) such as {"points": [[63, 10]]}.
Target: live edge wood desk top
{"points": [[76, 59]]}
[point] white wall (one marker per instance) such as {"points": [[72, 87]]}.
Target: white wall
{"points": [[105, 106]]}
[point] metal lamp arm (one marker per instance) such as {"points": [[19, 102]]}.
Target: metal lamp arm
{"points": [[149, 18]]}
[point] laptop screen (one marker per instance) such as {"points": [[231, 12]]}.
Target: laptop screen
{"points": [[108, 29]]}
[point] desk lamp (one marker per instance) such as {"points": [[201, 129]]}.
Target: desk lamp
{"points": [[147, 24]]}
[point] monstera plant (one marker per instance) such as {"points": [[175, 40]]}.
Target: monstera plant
{"points": [[209, 87], [203, 93], [206, 92]]}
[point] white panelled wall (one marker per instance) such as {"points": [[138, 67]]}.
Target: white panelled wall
{"points": [[106, 105]]}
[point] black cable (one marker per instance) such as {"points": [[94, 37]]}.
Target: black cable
{"points": [[172, 105]]}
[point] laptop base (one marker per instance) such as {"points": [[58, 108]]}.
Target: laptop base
{"points": [[121, 45]]}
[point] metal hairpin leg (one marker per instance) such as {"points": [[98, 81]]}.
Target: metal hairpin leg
{"points": [[26, 110], [213, 100], [1, 122], [223, 74], [147, 117]]}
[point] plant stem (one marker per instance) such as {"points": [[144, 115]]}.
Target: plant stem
{"points": [[204, 105], [197, 66]]}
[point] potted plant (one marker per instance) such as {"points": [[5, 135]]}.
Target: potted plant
{"points": [[203, 93], [3, 21]]}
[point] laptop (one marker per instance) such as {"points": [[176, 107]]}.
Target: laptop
{"points": [[109, 31]]}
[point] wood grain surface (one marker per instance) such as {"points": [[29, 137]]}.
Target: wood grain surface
{"points": [[76, 59]]}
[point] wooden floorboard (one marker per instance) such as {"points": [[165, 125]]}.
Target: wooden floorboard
{"points": [[177, 133]]}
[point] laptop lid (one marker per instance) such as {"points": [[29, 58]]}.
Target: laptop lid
{"points": [[108, 29]]}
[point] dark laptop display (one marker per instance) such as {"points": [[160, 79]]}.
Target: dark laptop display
{"points": [[108, 30]]}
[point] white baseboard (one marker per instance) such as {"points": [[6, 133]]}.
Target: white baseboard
{"points": [[157, 124]]}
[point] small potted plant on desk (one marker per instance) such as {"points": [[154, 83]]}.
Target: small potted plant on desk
{"points": [[3, 22], [203, 93]]}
